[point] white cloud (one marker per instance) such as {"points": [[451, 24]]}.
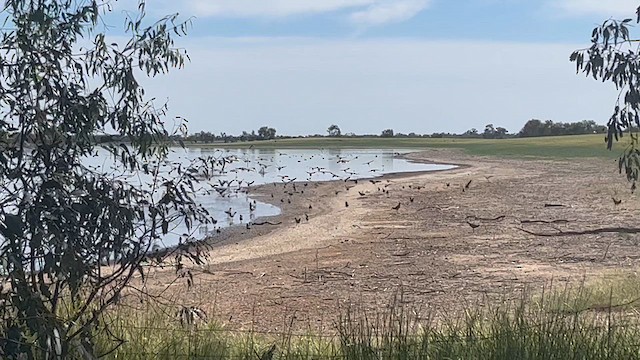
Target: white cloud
{"points": [[270, 8], [361, 12], [389, 11], [603, 8]]}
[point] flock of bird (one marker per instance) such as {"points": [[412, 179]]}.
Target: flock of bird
{"points": [[295, 178], [291, 185], [235, 175]]}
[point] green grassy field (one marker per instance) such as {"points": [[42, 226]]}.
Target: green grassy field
{"points": [[540, 147]]}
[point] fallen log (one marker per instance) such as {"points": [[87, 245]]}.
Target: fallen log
{"points": [[620, 230], [559, 221], [267, 223]]}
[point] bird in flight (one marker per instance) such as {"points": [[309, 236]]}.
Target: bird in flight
{"points": [[397, 207]]}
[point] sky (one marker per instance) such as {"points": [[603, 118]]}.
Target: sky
{"points": [[420, 66]]}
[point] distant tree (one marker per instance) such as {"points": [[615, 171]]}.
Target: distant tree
{"points": [[334, 131], [224, 137], [549, 128], [387, 133], [500, 132], [473, 132], [266, 133], [489, 132], [531, 128], [64, 82]]}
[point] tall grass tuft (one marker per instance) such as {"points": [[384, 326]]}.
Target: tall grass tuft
{"points": [[528, 328]]}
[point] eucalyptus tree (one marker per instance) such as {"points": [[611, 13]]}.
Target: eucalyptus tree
{"points": [[334, 131], [614, 57], [72, 236]]}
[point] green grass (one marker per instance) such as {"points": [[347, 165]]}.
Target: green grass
{"points": [[528, 328], [539, 147], [617, 290]]}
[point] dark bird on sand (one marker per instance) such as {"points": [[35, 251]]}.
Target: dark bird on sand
{"points": [[298, 220], [397, 207], [411, 199], [310, 207], [306, 217], [346, 204], [473, 226], [448, 184], [616, 201]]}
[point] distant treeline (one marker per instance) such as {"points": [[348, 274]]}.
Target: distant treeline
{"points": [[532, 128], [535, 128]]}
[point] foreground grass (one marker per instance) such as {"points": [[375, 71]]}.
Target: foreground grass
{"points": [[524, 329], [539, 147], [615, 290]]}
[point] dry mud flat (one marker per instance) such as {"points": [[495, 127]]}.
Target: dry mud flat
{"points": [[356, 249]]}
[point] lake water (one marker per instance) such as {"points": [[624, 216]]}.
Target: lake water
{"points": [[264, 166]]}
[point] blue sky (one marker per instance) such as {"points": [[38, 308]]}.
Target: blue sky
{"points": [[413, 65], [511, 20]]}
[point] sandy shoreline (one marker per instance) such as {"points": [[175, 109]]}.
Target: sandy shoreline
{"points": [[366, 252]]}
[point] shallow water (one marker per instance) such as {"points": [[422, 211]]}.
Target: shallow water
{"points": [[260, 166]]}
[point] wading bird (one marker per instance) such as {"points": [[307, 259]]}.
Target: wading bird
{"points": [[473, 226]]}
